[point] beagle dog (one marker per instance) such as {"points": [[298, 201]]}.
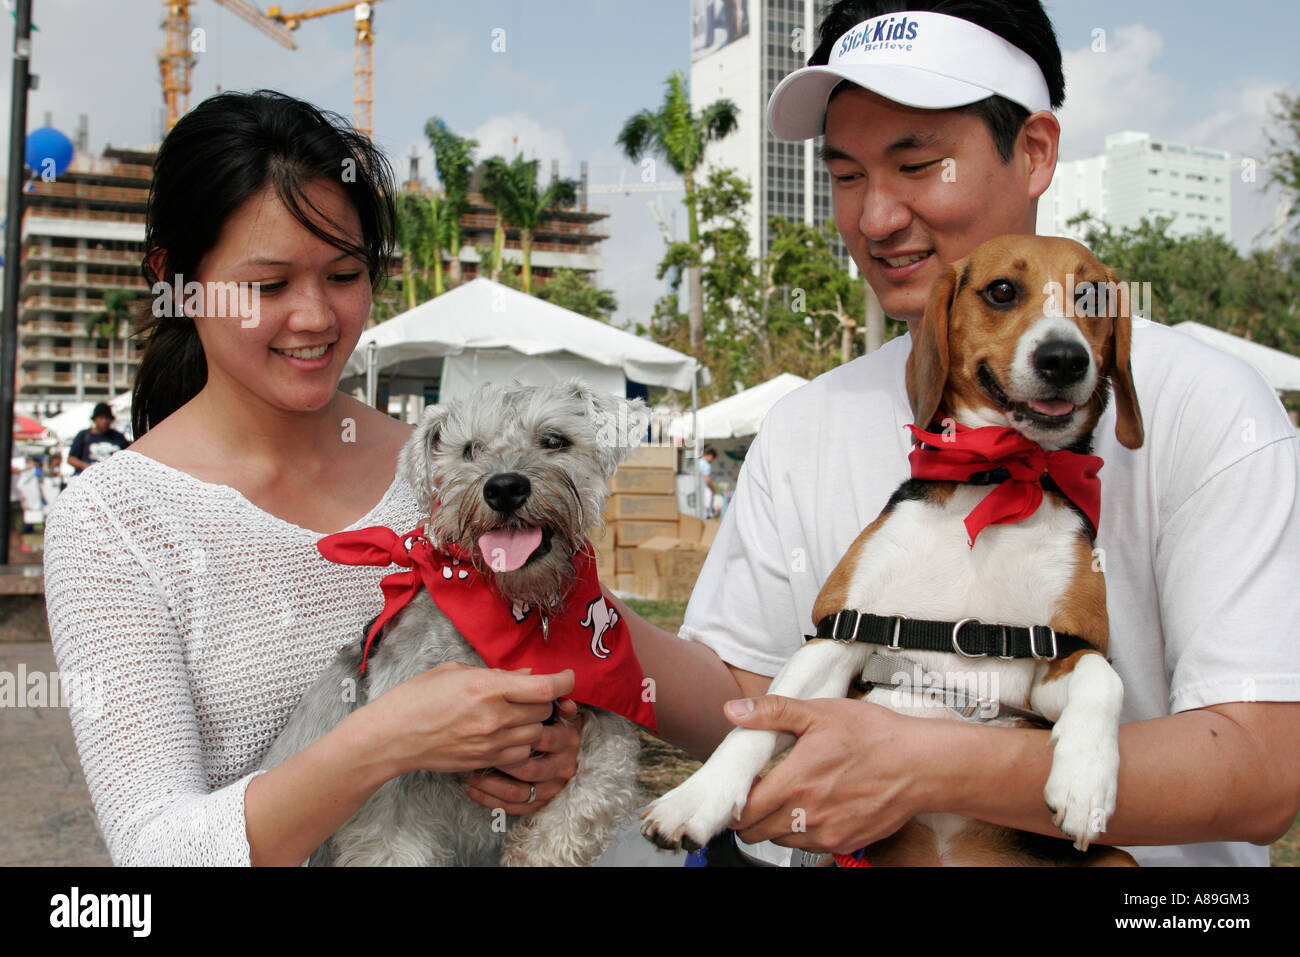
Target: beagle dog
{"points": [[975, 595]]}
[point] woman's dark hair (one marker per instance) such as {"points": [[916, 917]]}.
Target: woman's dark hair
{"points": [[1022, 23], [226, 149]]}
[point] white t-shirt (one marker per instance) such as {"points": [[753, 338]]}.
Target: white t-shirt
{"points": [[194, 621], [1200, 531]]}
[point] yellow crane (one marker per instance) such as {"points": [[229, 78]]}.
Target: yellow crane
{"points": [[363, 83], [176, 59]]}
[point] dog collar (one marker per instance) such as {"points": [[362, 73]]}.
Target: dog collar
{"points": [[978, 455], [588, 636]]}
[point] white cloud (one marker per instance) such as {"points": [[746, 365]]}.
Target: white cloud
{"points": [[1115, 89], [518, 132]]}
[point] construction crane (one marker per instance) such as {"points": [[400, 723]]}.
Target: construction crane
{"points": [[176, 59], [363, 83]]}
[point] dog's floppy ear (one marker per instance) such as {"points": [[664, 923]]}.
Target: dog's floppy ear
{"points": [[927, 365], [415, 461], [620, 424], [1128, 415]]}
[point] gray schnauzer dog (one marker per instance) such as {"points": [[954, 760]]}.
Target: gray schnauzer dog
{"points": [[515, 479]]}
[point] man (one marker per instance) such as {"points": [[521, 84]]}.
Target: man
{"points": [[705, 468], [939, 135], [98, 443]]}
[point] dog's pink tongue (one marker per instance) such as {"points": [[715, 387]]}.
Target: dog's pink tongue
{"points": [[1053, 407], [506, 549]]}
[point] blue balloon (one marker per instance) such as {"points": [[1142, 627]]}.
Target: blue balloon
{"points": [[48, 146]]}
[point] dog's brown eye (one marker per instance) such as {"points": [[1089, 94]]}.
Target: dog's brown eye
{"points": [[1000, 292], [553, 441], [471, 449]]}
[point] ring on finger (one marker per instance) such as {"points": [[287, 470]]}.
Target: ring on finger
{"points": [[532, 794]]}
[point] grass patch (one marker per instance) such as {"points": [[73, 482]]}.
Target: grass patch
{"points": [[667, 615], [1285, 852]]}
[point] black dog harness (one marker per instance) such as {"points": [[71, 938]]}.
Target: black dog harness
{"points": [[969, 637]]}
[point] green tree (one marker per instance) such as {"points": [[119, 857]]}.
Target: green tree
{"points": [[809, 292], [1284, 153], [796, 310], [523, 204], [1202, 278], [454, 158], [567, 288], [680, 137], [492, 177], [108, 324]]}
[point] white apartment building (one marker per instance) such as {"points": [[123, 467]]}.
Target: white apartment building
{"points": [[1140, 177]]}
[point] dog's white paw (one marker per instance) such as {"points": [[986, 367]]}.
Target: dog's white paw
{"points": [[693, 812], [1080, 789]]}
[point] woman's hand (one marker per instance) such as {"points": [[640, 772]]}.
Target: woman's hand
{"points": [[555, 762], [458, 718]]}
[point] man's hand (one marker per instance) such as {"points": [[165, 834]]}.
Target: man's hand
{"points": [[548, 771], [846, 783]]}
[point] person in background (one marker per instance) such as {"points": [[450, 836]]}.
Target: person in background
{"points": [[98, 443], [52, 480], [705, 468]]}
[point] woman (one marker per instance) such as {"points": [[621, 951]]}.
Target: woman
{"points": [[182, 578]]}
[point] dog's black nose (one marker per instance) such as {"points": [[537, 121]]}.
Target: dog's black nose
{"points": [[1062, 362], [507, 491]]}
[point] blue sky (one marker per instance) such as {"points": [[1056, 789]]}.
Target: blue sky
{"points": [[573, 71]]}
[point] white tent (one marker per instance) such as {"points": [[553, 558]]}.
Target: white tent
{"points": [[739, 414], [1281, 369], [484, 331]]}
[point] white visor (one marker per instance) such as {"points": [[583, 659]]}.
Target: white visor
{"points": [[927, 60]]}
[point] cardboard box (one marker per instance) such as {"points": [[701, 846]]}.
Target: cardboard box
{"points": [[605, 566], [644, 481], [627, 583], [642, 508], [667, 566], [711, 526], [689, 527], [623, 564], [634, 533], [604, 542], [651, 457]]}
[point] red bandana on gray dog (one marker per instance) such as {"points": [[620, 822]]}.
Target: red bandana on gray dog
{"points": [[589, 636]]}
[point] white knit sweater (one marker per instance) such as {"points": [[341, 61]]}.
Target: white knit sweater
{"points": [[202, 619]]}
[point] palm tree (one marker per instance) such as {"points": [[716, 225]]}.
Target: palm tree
{"points": [[423, 232], [523, 205], [454, 157], [491, 185], [108, 324], [680, 137], [412, 234]]}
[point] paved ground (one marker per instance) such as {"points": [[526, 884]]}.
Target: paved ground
{"points": [[45, 812]]}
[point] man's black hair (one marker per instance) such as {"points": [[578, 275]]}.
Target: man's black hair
{"points": [[1022, 23]]}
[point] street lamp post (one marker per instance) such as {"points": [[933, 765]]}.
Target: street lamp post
{"points": [[13, 245]]}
